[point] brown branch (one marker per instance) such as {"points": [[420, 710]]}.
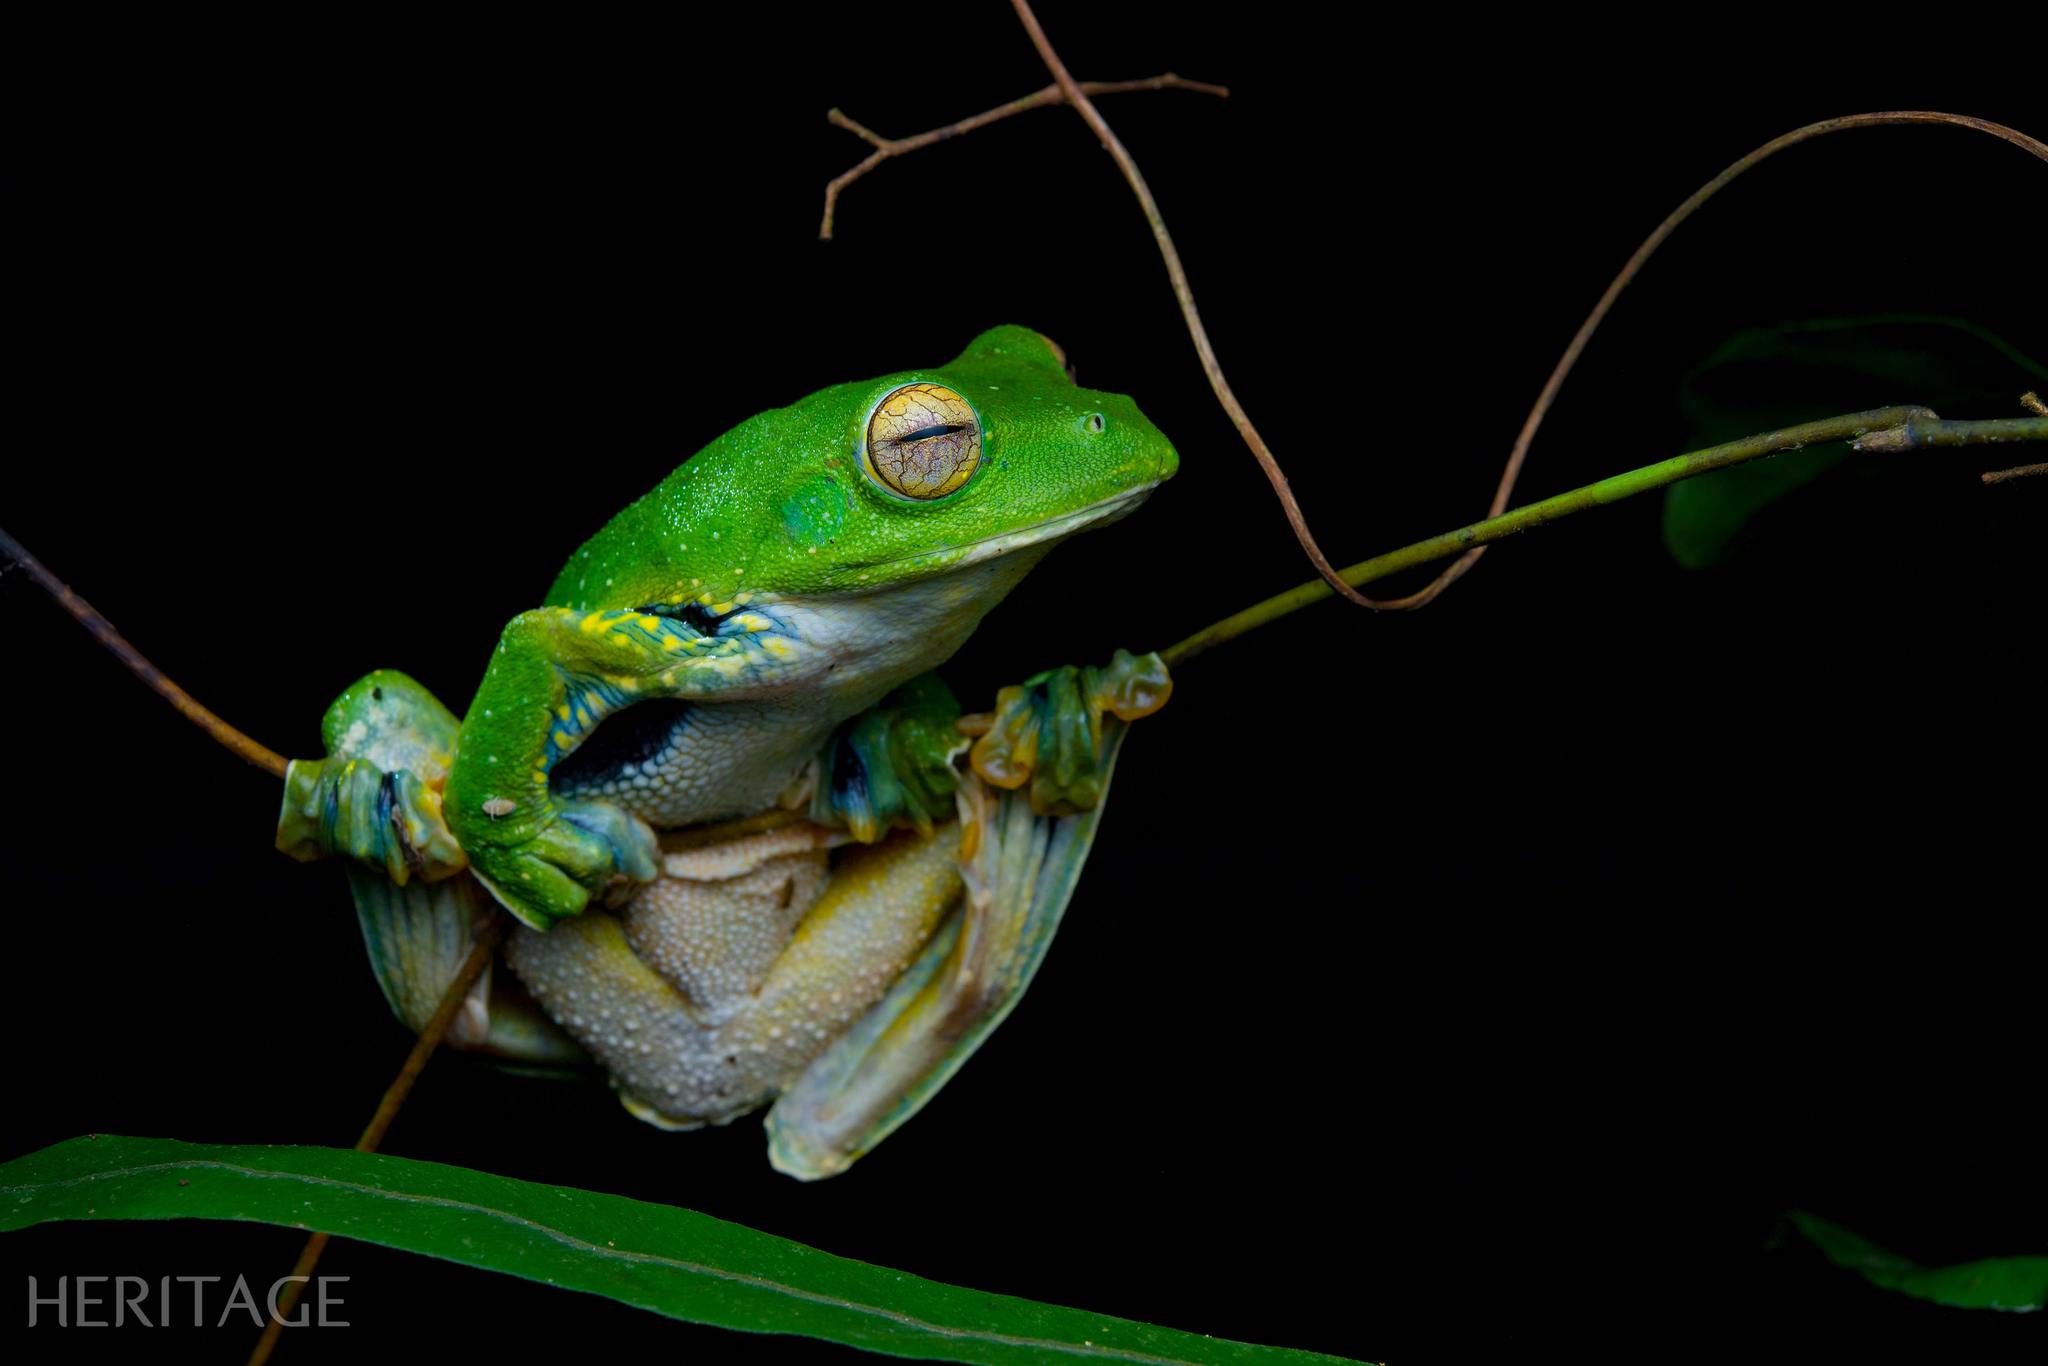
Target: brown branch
{"points": [[2031, 401], [885, 148], [387, 1110], [103, 631], [2016, 472]]}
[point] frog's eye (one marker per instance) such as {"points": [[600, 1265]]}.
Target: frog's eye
{"points": [[923, 441]]}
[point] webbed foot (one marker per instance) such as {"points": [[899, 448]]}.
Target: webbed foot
{"points": [[376, 797], [576, 849], [1047, 731]]}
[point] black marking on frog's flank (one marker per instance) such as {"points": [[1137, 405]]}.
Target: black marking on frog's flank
{"points": [[694, 615], [848, 780], [635, 735]]}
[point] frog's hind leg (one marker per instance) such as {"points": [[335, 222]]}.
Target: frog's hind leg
{"points": [[1020, 869], [682, 1062], [418, 936], [717, 918]]}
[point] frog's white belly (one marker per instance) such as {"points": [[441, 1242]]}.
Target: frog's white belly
{"points": [[676, 762]]}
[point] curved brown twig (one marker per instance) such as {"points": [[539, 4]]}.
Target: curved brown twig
{"points": [[1078, 97], [1541, 409]]}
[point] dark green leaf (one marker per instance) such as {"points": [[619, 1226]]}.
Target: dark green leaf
{"points": [[2016, 1283], [1775, 377], [672, 1261]]}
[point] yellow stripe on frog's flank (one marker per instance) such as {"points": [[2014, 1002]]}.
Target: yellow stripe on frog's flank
{"points": [[563, 711], [593, 623]]}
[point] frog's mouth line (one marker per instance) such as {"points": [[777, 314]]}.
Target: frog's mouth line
{"points": [[993, 547]]}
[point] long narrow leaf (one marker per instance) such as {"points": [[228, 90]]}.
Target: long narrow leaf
{"points": [[672, 1261], [2015, 1283]]}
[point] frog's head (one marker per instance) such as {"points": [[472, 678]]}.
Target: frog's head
{"points": [[995, 453], [993, 456]]}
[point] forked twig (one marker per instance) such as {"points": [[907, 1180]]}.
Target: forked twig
{"points": [[885, 148]]}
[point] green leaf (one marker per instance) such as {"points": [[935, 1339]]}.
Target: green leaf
{"points": [[672, 1261], [1767, 378], [2015, 1283]]}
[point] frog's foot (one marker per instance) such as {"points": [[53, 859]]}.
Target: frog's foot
{"points": [[1047, 732], [892, 765], [576, 849], [376, 797]]}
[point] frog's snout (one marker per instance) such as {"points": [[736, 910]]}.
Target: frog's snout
{"points": [[1142, 449], [1165, 459]]}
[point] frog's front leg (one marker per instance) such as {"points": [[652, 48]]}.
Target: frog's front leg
{"points": [[555, 676]]}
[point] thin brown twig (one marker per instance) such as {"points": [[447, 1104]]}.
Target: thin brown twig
{"points": [[2016, 472], [885, 148], [480, 952], [2031, 401], [1186, 295], [103, 631]]}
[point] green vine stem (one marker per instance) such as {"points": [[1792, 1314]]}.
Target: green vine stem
{"points": [[1880, 430]]}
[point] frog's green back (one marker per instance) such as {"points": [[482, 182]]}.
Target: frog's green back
{"points": [[784, 504]]}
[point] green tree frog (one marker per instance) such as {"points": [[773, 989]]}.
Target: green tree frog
{"points": [[756, 635]]}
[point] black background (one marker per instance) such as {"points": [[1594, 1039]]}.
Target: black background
{"points": [[1479, 981]]}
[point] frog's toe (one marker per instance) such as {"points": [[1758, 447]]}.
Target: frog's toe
{"points": [[629, 854], [1047, 732], [589, 849], [388, 819]]}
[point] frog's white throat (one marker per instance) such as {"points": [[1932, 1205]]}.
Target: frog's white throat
{"points": [[877, 638], [1040, 535]]}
